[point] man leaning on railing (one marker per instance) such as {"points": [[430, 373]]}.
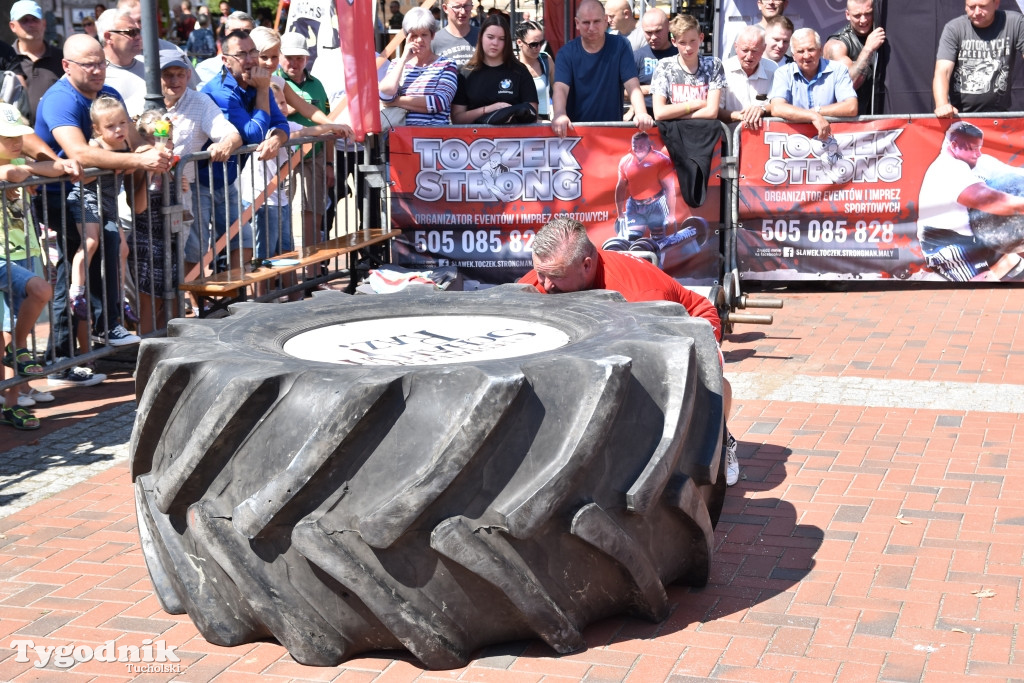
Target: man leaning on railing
{"points": [[975, 61], [242, 91], [812, 88], [63, 122]]}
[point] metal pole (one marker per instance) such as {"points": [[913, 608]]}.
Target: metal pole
{"points": [[151, 54]]}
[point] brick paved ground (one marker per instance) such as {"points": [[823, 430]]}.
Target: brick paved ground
{"points": [[877, 533]]}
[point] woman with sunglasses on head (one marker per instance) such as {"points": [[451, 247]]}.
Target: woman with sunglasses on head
{"points": [[493, 86], [530, 36], [420, 81]]}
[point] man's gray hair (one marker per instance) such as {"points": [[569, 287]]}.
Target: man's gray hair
{"points": [[241, 16], [419, 19], [565, 236], [755, 32], [106, 22], [803, 32]]}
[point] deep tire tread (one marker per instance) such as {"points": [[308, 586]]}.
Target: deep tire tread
{"points": [[596, 527], [487, 554], [342, 509], [434, 638]]}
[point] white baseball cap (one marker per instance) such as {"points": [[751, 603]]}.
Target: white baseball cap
{"points": [[293, 45], [12, 124]]}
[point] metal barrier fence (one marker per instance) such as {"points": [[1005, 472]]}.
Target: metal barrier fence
{"points": [[200, 220]]}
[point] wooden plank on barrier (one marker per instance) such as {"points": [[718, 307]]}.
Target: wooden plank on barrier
{"points": [[228, 283]]}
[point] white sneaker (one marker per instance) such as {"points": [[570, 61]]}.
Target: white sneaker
{"points": [[75, 377], [118, 336], [732, 464], [29, 398], [40, 396]]}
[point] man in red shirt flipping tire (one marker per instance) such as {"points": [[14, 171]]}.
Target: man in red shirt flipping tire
{"points": [[565, 260]]}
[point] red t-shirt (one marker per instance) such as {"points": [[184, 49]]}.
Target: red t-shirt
{"points": [[644, 178], [640, 280]]}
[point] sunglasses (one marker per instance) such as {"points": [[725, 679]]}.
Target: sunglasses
{"points": [[535, 44], [258, 263], [130, 32]]}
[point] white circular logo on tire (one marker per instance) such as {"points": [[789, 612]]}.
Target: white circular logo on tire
{"points": [[427, 340]]}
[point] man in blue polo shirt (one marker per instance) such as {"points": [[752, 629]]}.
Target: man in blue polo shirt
{"points": [[242, 91], [591, 72], [63, 123], [812, 88]]}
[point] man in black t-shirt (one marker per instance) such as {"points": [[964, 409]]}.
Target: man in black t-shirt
{"points": [[395, 21], [38, 62], [659, 46], [861, 46]]}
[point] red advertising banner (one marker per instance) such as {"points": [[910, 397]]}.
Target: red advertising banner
{"points": [[474, 197], [883, 199], [355, 36]]}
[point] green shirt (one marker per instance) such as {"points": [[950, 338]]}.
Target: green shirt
{"points": [[19, 233], [312, 90]]}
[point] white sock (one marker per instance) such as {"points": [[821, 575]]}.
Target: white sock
{"points": [[76, 290]]}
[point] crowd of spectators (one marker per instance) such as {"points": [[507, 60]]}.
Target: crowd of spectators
{"points": [[229, 83], [82, 108]]}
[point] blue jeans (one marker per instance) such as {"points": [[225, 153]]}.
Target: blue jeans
{"points": [[51, 209], [16, 275], [272, 228], [204, 199]]}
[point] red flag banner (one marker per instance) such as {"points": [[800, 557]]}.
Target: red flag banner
{"points": [[474, 197], [355, 36]]}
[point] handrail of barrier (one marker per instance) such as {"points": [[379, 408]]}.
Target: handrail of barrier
{"points": [[42, 345], [56, 237]]}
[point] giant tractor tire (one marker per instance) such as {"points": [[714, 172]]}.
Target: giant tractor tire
{"points": [[434, 472]]}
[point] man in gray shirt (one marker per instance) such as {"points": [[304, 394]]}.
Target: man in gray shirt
{"points": [[975, 60], [122, 43], [457, 40]]}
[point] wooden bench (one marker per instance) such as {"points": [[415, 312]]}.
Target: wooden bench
{"points": [[230, 286]]}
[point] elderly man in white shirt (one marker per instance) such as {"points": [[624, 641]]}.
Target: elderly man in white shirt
{"points": [[748, 79], [196, 120]]}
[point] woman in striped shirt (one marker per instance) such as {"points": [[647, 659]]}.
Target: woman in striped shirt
{"points": [[419, 81]]}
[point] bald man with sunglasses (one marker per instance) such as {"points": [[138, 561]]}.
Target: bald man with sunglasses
{"points": [[122, 43]]}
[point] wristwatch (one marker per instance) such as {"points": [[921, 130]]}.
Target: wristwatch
{"points": [[817, 110]]}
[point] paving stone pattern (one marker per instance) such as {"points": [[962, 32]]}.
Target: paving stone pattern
{"points": [[874, 536]]}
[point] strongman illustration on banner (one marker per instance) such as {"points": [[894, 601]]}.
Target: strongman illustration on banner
{"points": [[646, 197], [969, 219]]}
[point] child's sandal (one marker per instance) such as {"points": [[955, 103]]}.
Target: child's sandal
{"points": [[19, 418], [26, 362]]}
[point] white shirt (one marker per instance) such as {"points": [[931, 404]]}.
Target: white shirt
{"points": [[943, 183], [196, 119], [130, 83], [254, 176], [330, 71], [742, 90], [207, 69]]}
